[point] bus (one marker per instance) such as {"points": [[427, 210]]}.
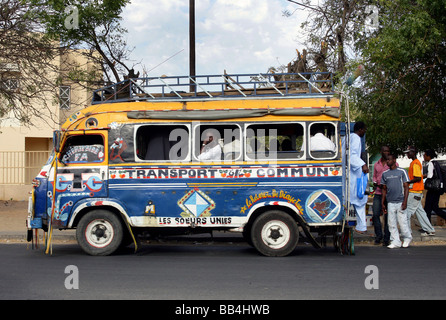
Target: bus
{"points": [[258, 154]]}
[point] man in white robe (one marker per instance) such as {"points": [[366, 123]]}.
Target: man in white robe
{"points": [[357, 167]]}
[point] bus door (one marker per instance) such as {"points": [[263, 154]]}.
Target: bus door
{"points": [[324, 204], [82, 172]]}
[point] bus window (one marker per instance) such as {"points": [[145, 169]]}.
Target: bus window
{"points": [[83, 149], [162, 143], [274, 141], [217, 142], [323, 142]]}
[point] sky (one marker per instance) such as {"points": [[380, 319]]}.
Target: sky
{"points": [[239, 36]]}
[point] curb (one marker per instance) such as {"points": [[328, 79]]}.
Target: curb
{"points": [[218, 237], [21, 236]]}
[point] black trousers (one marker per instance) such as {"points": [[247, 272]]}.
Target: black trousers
{"points": [[431, 204]]}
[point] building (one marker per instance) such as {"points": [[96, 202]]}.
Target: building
{"points": [[25, 148]]}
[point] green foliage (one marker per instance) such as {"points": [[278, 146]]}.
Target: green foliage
{"points": [[95, 25], [402, 96], [26, 59], [93, 14]]}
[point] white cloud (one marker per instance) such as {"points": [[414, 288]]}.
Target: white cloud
{"points": [[241, 36]]}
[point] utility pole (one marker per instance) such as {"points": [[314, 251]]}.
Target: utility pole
{"points": [[192, 43]]}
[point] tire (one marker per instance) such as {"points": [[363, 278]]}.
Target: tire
{"points": [[275, 234], [99, 233]]}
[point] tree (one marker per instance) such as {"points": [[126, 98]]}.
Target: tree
{"points": [[93, 25], [24, 83], [333, 27], [37, 39], [402, 95]]}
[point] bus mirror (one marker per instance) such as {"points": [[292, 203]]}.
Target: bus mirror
{"points": [[56, 140]]}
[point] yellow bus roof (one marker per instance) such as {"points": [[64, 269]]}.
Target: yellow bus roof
{"points": [[257, 97], [101, 115]]}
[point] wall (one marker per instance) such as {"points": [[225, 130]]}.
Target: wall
{"points": [[29, 140]]}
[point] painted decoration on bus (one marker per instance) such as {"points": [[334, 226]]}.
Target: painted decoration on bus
{"points": [[196, 203], [270, 196], [224, 173], [121, 147], [84, 154], [117, 148], [323, 206], [71, 186]]}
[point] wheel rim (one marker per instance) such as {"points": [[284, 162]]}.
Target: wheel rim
{"points": [[99, 233], [275, 234]]}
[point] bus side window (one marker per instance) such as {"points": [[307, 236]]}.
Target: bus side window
{"points": [[87, 148], [217, 142], [323, 142], [163, 143], [274, 141]]}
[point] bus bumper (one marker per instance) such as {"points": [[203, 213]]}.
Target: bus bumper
{"points": [[31, 222]]}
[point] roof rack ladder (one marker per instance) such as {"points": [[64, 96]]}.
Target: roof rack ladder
{"points": [[231, 82], [167, 85], [266, 79], [309, 82], [207, 92], [139, 87]]}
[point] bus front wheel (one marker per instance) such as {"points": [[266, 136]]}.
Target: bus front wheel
{"points": [[99, 233], [275, 234]]}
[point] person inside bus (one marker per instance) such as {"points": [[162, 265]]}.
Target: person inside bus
{"points": [[210, 149], [319, 142], [231, 150], [274, 145], [254, 145], [287, 145]]}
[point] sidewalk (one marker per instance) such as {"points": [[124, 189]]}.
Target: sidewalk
{"points": [[13, 216]]}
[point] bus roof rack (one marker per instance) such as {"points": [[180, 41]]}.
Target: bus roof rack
{"points": [[225, 86]]}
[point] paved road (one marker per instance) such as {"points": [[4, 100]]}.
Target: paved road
{"points": [[203, 272]]}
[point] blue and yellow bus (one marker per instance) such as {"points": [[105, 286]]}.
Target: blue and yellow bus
{"points": [[257, 154]]}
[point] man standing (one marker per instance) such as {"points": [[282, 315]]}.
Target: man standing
{"points": [[432, 196], [395, 190], [357, 167], [378, 169], [416, 193]]}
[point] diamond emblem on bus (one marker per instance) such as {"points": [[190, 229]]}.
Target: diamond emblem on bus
{"points": [[323, 206], [196, 203]]}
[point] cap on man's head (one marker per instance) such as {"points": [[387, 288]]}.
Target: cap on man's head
{"points": [[410, 148]]}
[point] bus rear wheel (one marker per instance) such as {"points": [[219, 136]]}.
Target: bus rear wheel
{"points": [[99, 233], [275, 234]]}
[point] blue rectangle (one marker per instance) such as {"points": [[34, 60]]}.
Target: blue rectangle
{"points": [[36, 223]]}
